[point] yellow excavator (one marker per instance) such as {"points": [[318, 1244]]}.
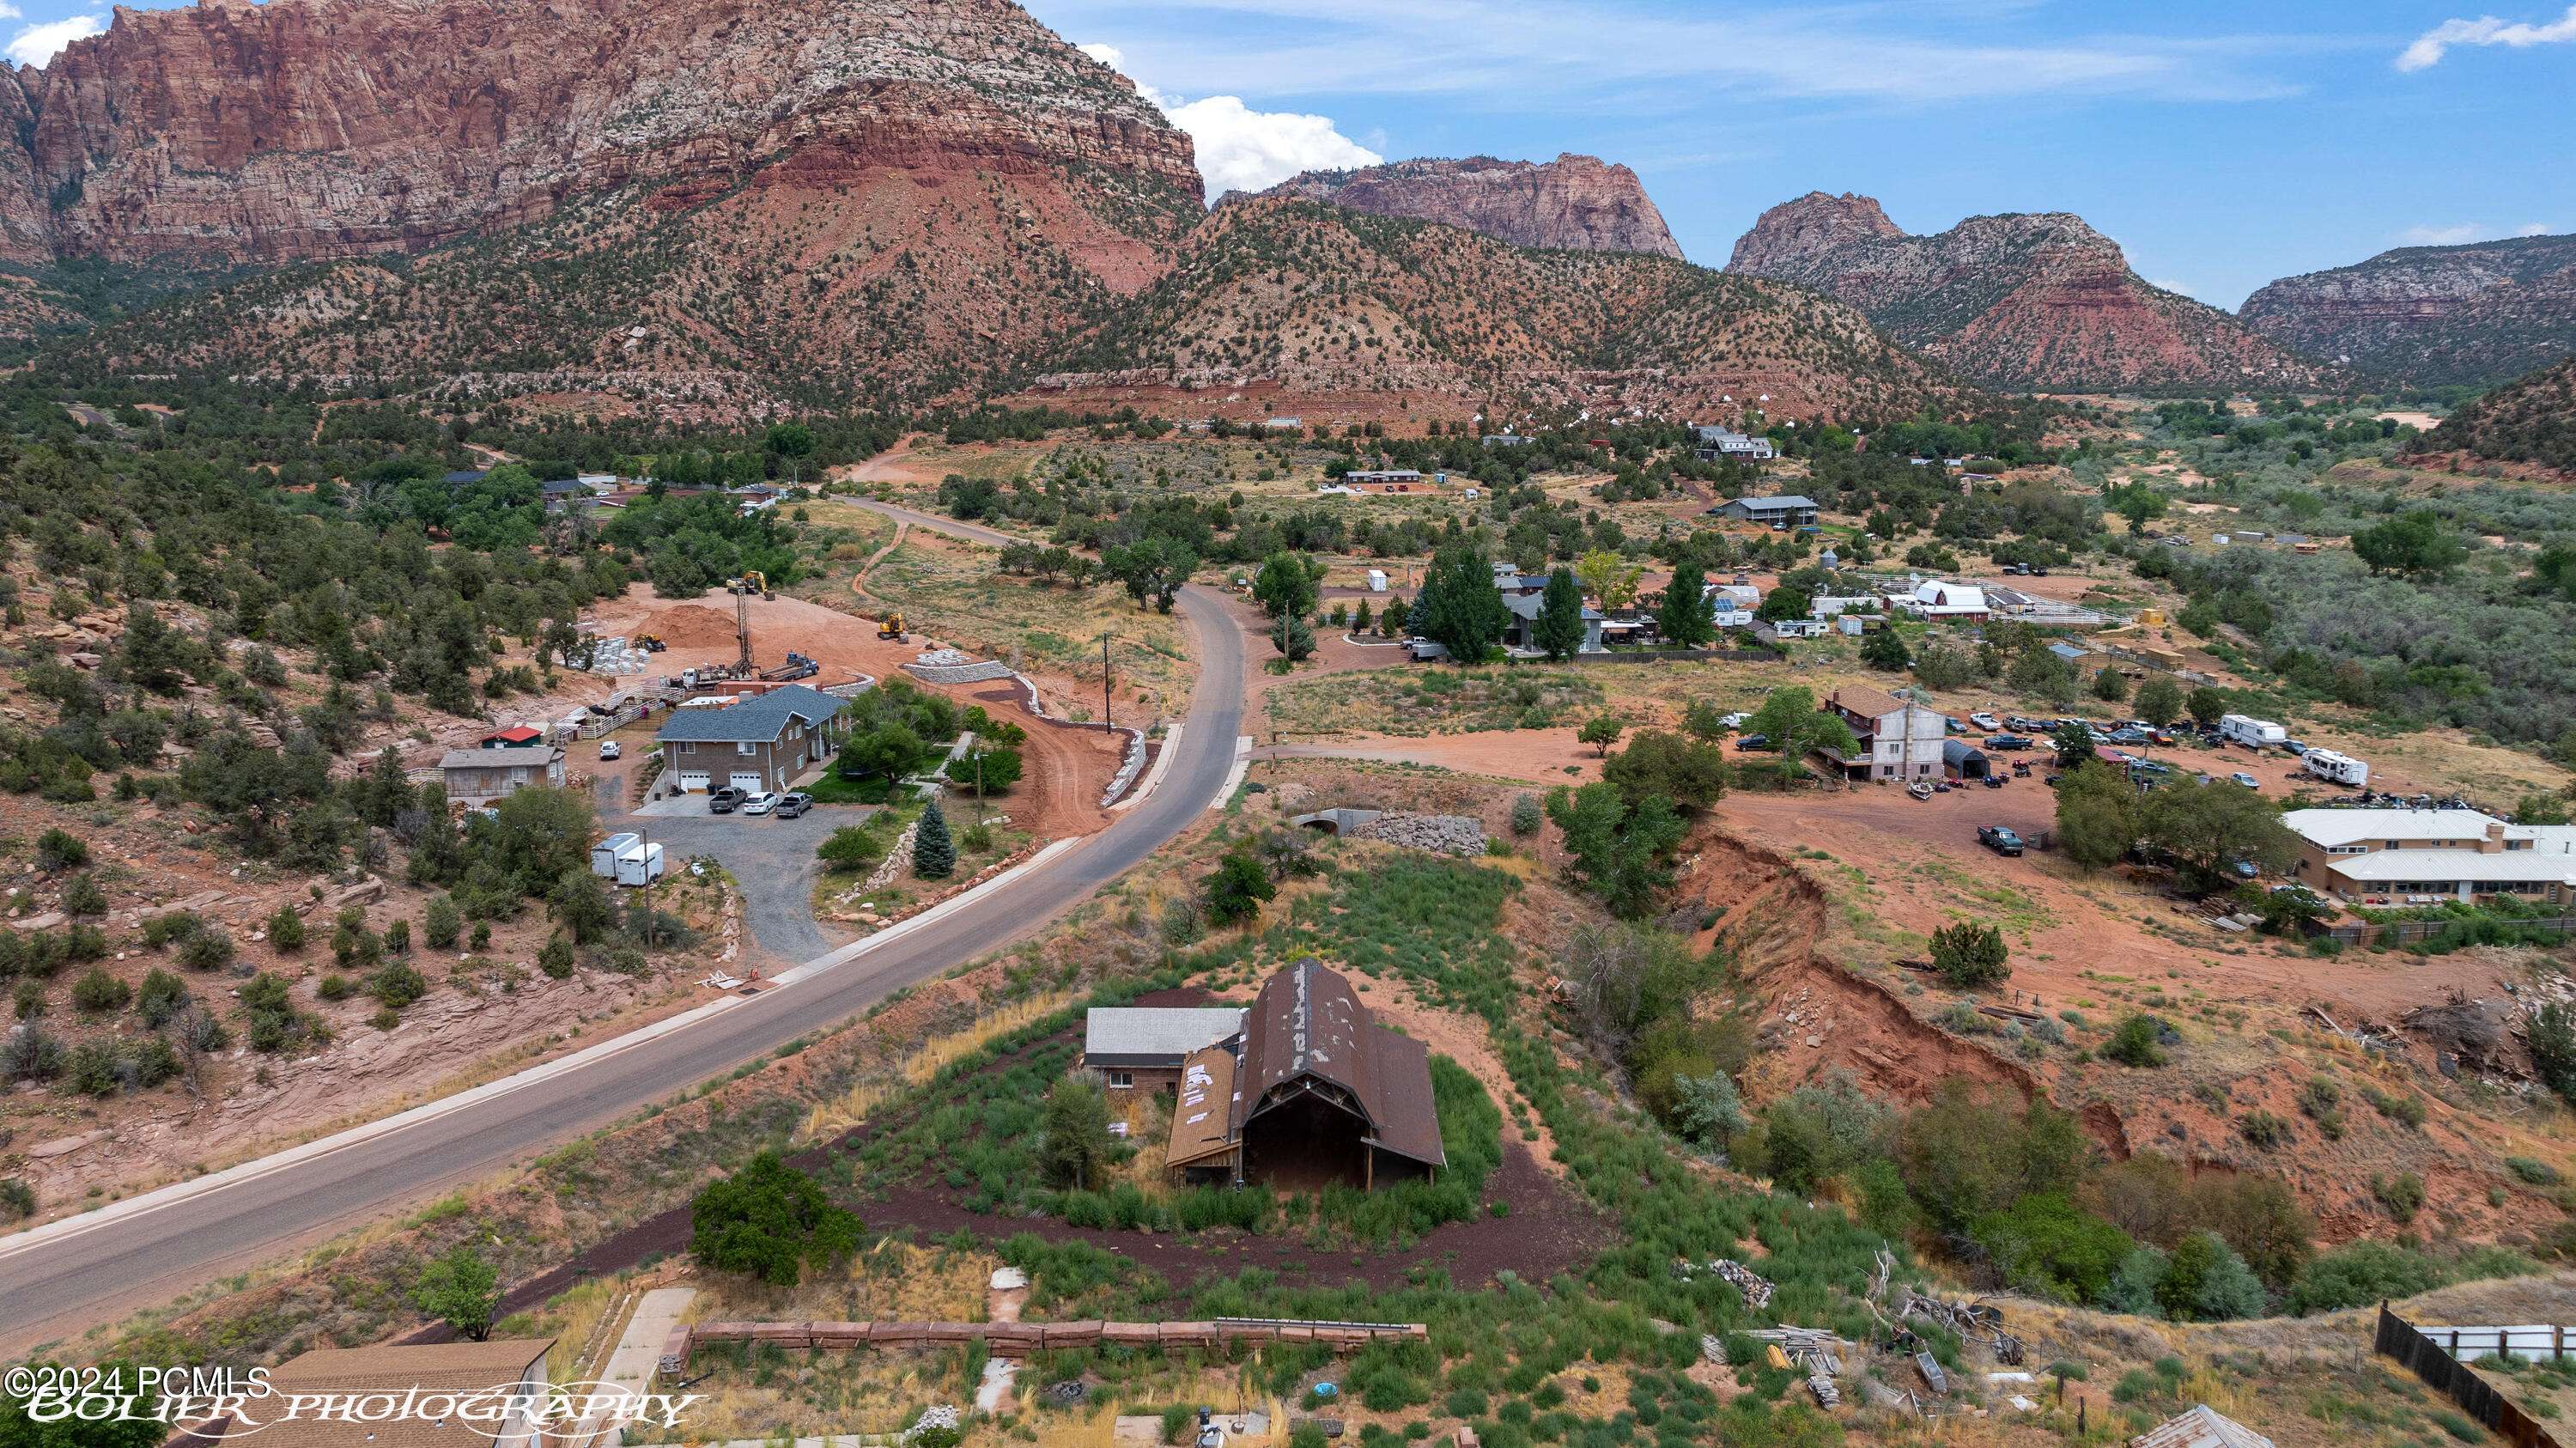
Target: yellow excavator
{"points": [[892, 628]]}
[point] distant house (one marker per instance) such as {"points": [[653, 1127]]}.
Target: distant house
{"points": [[1505, 439], [2069, 652], [1142, 1048], [755, 742], [479, 776], [1285, 424], [1787, 511], [1522, 633], [338, 1385], [1716, 444], [1899, 739], [1377, 480], [2432, 855], [463, 476], [1731, 605], [1311, 1093], [517, 736]]}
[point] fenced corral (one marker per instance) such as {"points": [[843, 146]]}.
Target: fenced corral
{"points": [[2440, 1356]]}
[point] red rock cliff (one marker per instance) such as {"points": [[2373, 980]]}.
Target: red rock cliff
{"points": [[325, 128], [1573, 203]]}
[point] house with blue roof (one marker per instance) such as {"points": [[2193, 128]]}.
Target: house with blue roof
{"points": [[755, 742]]}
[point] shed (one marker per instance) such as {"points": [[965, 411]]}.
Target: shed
{"points": [[1962, 760], [1143, 1047]]}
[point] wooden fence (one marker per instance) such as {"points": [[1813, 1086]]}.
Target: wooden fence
{"points": [[1018, 1339], [2356, 933], [2424, 1353]]}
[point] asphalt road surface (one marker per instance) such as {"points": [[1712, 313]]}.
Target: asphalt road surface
{"points": [[59, 1279]]}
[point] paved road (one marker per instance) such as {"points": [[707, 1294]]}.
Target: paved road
{"points": [[59, 1279], [773, 865]]}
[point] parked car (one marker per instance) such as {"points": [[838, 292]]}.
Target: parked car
{"points": [[1754, 741], [1998, 839], [725, 800], [792, 805], [761, 803], [1736, 719], [2247, 780], [2007, 741], [2244, 869], [2295, 747], [608, 749], [1986, 721]]}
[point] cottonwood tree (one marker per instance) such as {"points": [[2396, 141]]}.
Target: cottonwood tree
{"points": [[461, 1290]]}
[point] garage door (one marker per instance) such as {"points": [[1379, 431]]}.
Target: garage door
{"points": [[749, 779], [695, 779]]}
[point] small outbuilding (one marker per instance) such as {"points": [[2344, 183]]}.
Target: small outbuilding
{"points": [[1962, 760], [1142, 1048]]}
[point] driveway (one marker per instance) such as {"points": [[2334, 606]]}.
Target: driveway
{"points": [[773, 864]]}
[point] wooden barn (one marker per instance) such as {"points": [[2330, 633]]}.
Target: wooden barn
{"points": [[1312, 1093]]}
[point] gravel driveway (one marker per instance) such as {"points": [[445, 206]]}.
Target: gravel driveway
{"points": [[773, 862]]}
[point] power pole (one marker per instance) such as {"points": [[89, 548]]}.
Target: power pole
{"points": [[1106, 723], [646, 835]]}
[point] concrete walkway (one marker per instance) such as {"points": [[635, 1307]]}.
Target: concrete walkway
{"points": [[637, 1357]]}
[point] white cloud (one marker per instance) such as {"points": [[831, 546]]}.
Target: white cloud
{"points": [[38, 44], [1241, 149], [2179, 288], [2464, 232], [2428, 49]]}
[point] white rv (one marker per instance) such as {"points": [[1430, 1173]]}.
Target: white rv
{"points": [[2251, 732], [605, 854], [2341, 768], [1377, 580]]}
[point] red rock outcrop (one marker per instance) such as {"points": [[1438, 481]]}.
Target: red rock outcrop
{"points": [[334, 128], [2026, 301], [1573, 203]]}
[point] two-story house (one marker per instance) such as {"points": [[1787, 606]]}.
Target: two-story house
{"points": [[1894, 738], [756, 742]]}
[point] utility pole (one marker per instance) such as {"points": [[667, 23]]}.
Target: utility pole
{"points": [[1105, 722], [646, 834]]}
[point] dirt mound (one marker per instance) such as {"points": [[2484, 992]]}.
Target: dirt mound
{"points": [[1819, 1018], [692, 626]]}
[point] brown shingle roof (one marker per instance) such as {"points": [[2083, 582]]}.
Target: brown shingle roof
{"points": [[1865, 701], [1203, 1114]]}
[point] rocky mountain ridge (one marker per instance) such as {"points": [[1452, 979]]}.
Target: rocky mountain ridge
{"points": [[2472, 314], [2038, 301], [1573, 203], [1281, 304], [2529, 424], [302, 129]]}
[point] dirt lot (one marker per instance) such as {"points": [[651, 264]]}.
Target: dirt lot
{"points": [[1066, 768]]}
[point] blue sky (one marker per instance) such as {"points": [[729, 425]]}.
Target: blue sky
{"points": [[2222, 144]]}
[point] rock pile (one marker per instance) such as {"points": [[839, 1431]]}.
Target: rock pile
{"points": [[1440, 834]]}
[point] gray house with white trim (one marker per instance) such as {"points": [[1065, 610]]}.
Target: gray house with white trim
{"points": [[759, 741]]}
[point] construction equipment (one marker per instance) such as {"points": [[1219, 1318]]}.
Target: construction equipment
{"points": [[798, 666], [751, 582], [649, 643], [892, 628]]}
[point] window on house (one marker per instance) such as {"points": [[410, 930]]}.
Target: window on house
{"points": [[745, 747], [1121, 1080]]}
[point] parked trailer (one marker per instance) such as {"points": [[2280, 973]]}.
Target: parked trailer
{"points": [[1377, 580], [2251, 732], [640, 865], [2341, 768], [605, 855]]}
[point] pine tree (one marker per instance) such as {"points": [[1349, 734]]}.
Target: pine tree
{"points": [[934, 853], [1560, 616], [1684, 618]]}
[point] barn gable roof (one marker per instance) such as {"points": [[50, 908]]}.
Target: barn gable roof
{"points": [[1308, 1023]]}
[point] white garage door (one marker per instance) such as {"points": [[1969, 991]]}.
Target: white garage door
{"points": [[695, 779], [749, 779]]}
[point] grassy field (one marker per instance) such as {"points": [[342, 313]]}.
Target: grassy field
{"points": [[1415, 701], [955, 591]]}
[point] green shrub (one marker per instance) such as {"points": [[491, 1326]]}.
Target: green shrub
{"points": [[2401, 1195], [440, 923], [397, 984], [286, 930], [98, 992], [206, 948], [2535, 1173], [2361, 1274], [2136, 1041], [60, 849]]}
